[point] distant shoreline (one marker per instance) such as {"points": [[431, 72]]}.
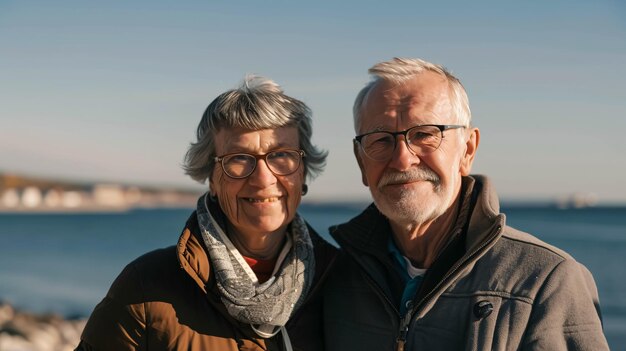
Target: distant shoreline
{"points": [[530, 205], [89, 209]]}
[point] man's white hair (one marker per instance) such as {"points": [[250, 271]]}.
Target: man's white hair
{"points": [[399, 70]]}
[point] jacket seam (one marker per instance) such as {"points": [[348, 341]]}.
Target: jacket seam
{"points": [[143, 304], [502, 294], [544, 247]]}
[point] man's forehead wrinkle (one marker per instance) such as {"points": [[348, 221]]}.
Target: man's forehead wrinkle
{"points": [[377, 127], [391, 98]]}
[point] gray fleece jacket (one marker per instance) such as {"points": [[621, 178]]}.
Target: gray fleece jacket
{"points": [[491, 288]]}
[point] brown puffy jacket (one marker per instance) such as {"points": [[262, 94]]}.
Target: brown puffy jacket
{"points": [[167, 300]]}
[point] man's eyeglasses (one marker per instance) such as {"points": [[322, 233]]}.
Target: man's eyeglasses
{"points": [[420, 139], [280, 162]]}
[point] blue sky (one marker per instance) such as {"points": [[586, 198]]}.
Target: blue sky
{"points": [[114, 90]]}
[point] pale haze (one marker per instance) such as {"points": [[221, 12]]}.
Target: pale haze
{"points": [[113, 91]]}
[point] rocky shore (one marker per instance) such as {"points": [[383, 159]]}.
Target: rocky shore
{"points": [[25, 331]]}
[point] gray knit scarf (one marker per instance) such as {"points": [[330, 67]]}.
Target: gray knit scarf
{"points": [[266, 306]]}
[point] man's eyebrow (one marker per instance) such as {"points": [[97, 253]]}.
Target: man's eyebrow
{"points": [[378, 128]]}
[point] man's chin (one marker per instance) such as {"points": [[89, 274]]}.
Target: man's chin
{"points": [[408, 207], [406, 192]]}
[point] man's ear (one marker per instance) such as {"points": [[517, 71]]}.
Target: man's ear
{"points": [[470, 151], [357, 154]]}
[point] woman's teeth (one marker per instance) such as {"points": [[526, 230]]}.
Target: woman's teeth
{"points": [[269, 199]]}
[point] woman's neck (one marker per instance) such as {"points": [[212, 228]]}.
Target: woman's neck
{"points": [[264, 246]]}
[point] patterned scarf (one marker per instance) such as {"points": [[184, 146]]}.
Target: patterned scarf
{"points": [[267, 306]]}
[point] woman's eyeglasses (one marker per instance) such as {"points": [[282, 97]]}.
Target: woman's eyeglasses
{"points": [[280, 162]]}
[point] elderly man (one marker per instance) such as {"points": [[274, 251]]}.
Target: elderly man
{"points": [[431, 265]]}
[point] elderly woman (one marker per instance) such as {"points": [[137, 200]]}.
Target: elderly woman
{"points": [[247, 269]]}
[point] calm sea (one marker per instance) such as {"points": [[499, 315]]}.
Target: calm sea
{"points": [[64, 263]]}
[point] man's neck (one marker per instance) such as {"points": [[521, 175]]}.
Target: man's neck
{"points": [[422, 242]]}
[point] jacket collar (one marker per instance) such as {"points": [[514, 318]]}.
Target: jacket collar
{"points": [[192, 255], [485, 216], [191, 250]]}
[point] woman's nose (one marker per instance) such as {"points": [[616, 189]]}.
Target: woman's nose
{"points": [[262, 175]]}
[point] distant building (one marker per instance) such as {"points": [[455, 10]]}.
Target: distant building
{"points": [[72, 199], [31, 197], [109, 195], [53, 198], [577, 200], [29, 194], [10, 198]]}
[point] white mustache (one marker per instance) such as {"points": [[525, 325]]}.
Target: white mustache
{"points": [[412, 175]]}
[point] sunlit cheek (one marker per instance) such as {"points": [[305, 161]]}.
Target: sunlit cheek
{"points": [[455, 169], [292, 206], [227, 196], [293, 184], [373, 175]]}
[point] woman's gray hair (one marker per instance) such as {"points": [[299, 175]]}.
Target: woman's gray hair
{"points": [[399, 70], [259, 103]]}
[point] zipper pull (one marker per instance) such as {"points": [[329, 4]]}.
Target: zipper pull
{"points": [[404, 329], [401, 340], [400, 346]]}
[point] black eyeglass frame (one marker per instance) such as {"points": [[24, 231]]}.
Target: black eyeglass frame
{"points": [[442, 128], [257, 157]]}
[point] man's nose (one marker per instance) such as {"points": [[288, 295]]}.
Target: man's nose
{"points": [[403, 158]]}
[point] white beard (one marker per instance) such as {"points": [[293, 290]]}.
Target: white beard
{"points": [[412, 205]]}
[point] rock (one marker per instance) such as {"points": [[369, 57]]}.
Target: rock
{"points": [[24, 331]]}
